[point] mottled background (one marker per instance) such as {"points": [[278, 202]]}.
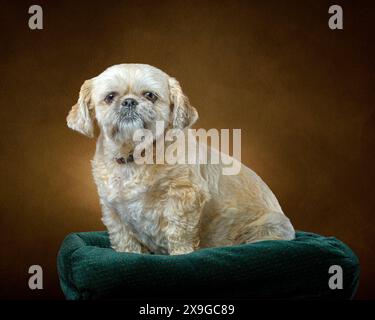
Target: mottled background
{"points": [[302, 94]]}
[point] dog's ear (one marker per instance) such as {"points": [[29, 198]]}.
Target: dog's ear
{"points": [[183, 115], [80, 117]]}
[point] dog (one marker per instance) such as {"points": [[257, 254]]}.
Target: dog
{"points": [[165, 209]]}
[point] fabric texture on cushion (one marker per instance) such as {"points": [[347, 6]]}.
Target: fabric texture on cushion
{"points": [[89, 269]]}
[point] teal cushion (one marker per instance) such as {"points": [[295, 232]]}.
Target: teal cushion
{"points": [[298, 269]]}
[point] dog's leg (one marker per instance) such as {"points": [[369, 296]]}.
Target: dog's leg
{"points": [[182, 238], [121, 237], [270, 226], [182, 216]]}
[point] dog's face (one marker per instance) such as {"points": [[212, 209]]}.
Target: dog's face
{"points": [[128, 97]]}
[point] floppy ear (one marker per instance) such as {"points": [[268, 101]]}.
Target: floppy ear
{"points": [[184, 115], [80, 117]]}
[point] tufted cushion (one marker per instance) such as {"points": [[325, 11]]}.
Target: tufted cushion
{"points": [[89, 269]]}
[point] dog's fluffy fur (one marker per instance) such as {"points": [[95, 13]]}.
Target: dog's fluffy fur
{"points": [[166, 209]]}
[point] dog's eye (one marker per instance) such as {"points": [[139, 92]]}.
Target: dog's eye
{"points": [[150, 96], [109, 98]]}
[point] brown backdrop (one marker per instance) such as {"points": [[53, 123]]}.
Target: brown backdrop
{"points": [[302, 94]]}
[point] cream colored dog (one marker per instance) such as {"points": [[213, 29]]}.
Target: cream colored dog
{"points": [[166, 209]]}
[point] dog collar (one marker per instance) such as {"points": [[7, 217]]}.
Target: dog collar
{"points": [[130, 158], [123, 160]]}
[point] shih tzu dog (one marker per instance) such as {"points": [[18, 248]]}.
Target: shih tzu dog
{"points": [[164, 208]]}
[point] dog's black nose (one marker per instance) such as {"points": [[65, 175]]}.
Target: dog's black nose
{"points": [[129, 103]]}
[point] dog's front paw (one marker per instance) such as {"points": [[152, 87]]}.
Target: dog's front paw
{"points": [[182, 250], [134, 248], [124, 249]]}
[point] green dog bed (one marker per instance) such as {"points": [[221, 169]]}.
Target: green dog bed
{"points": [[299, 269]]}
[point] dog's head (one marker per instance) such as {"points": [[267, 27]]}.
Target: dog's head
{"points": [[128, 97]]}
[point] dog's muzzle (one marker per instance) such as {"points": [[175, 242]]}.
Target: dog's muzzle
{"points": [[128, 111]]}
